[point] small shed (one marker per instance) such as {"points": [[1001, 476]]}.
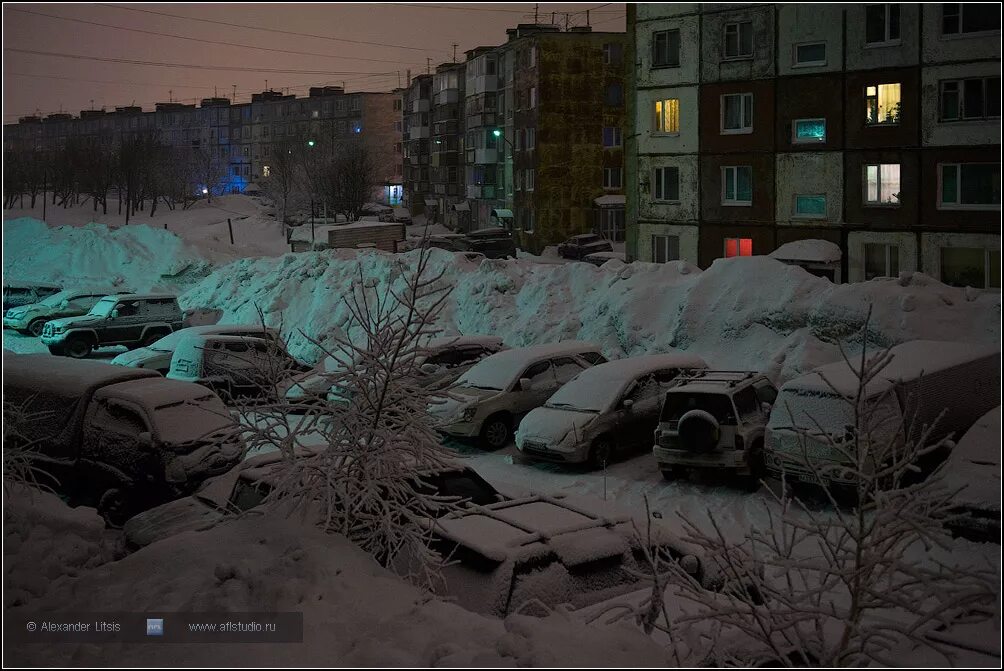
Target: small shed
{"points": [[383, 235], [819, 257]]}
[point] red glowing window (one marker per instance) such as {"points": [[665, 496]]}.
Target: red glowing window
{"points": [[738, 247]]}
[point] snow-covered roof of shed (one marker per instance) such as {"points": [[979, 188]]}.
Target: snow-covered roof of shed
{"points": [[610, 200], [909, 360], [815, 251]]}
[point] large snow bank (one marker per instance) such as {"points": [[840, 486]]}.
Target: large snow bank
{"points": [[137, 258], [354, 612], [741, 313], [817, 251]]}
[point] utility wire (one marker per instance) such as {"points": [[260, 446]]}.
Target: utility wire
{"points": [[196, 39], [483, 9]]}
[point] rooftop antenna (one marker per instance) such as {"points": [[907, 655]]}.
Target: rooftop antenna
{"points": [[170, 95], [428, 65], [455, 45], [536, 6], [552, 18], [587, 17], [566, 22], [233, 98], [266, 85], [92, 104], [399, 79]]}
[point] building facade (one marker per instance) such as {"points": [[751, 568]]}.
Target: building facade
{"points": [[876, 127], [417, 134], [446, 173]]}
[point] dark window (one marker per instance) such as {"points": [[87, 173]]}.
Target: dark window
{"points": [[881, 23], [719, 405], [739, 39], [665, 248], [595, 358], [747, 404], [666, 48], [613, 53], [959, 18], [614, 95], [667, 184]]}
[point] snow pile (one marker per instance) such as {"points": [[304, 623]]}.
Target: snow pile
{"points": [[354, 612], [45, 539], [134, 258], [816, 251], [742, 313]]}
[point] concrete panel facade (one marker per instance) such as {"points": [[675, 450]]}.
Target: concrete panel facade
{"points": [[805, 23], [687, 235], [716, 66], [969, 132], [687, 209], [820, 173], [895, 53], [906, 244]]}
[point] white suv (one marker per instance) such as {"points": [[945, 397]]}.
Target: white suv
{"points": [[489, 399]]}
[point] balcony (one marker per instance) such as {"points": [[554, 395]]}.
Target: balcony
{"points": [[447, 96], [418, 132], [420, 105], [485, 191], [480, 119], [419, 159], [485, 156], [481, 84]]}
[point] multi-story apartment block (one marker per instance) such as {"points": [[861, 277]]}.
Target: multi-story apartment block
{"points": [[446, 173], [417, 135], [874, 126], [237, 135], [483, 161]]}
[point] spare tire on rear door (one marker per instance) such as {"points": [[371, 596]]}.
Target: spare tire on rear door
{"points": [[698, 431]]}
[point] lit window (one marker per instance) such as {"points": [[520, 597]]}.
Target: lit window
{"points": [[804, 131], [810, 206], [738, 247], [737, 185], [881, 23], [667, 116], [611, 136], [881, 260], [666, 48], [958, 18], [976, 98], [739, 40], [813, 53], [612, 178], [882, 104], [667, 184], [882, 185], [665, 248], [737, 113], [970, 186]]}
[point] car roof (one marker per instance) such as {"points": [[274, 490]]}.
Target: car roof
{"points": [[717, 381], [447, 342], [620, 371], [30, 285], [143, 297], [224, 329], [526, 355], [195, 339], [583, 236]]}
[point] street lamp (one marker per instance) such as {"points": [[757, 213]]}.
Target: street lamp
{"points": [[498, 133], [310, 143]]}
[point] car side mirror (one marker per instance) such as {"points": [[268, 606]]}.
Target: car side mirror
{"points": [[114, 314], [628, 403], [64, 304], [525, 384]]}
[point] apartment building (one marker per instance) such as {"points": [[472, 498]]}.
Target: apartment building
{"points": [[876, 127], [417, 133], [237, 135], [446, 163]]}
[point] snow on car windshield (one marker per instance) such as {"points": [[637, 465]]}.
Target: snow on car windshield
{"points": [[488, 374], [191, 420], [104, 307], [584, 395], [810, 410], [54, 300]]}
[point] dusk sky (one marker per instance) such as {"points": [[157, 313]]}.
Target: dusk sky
{"points": [[368, 46]]}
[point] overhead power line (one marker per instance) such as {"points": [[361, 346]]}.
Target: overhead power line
{"points": [[196, 39], [483, 9], [269, 30]]}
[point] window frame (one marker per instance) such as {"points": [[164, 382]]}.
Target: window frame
{"points": [[889, 41], [864, 186], [660, 118], [794, 132], [654, 65], [958, 205], [739, 56], [744, 130], [960, 34], [659, 184], [878, 94], [739, 247], [795, 214], [987, 265], [888, 248], [665, 237], [725, 202], [617, 137], [961, 99], [530, 178], [795, 63], [610, 170]]}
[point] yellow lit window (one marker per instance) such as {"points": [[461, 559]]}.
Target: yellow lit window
{"points": [[882, 104], [265, 171], [667, 115]]}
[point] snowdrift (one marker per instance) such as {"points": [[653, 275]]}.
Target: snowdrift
{"points": [[354, 612], [741, 313]]}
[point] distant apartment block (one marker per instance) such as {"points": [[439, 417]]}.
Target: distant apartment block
{"points": [[874, 126]]}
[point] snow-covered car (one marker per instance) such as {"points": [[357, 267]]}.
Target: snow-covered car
{"points": [[945, 386], [715, 420], [973, 472], [599, 258], [604, 410], [17, 294], [246, 485], [440, 363], [132, 320], [581, 246], [31, 319], [157, 356], [488, 400], [493, 242], [234, 366]]}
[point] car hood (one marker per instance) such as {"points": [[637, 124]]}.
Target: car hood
{"points": [[552, 424], [77, 322], [138, 356], [170, 519], [460, 397], [26, 309]]}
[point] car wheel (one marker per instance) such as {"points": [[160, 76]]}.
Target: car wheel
{"points": [[35, 328], [56, 350], [496, 432], [676, 473], [601, 452], [78, 348]]}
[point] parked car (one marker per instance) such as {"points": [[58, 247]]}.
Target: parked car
{"points": [[31, 319], [246, 485], [441, 361], [488, 400], [133, 320], [581, 246], [157, 356], [973, 473], [599, 258], [494, 243], [234, 366], [944, 385], [603, 410], [715, 420], [17, 294], [119, 439]]}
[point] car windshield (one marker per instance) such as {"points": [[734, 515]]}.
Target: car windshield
{"points": [[487, 374], [584, 395], [104, 307], [193, 419], [54, 300]]}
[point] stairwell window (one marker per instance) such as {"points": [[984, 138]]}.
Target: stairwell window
{"points": [[667, 116], [882, 104]]}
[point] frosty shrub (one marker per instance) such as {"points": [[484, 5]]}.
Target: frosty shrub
{"points": [[19, 468], [354, 454], [855, 581]]}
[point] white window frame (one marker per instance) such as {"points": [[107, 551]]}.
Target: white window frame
{"points": [[658, 121], [801, 140], [808, 64], [739, 41], [889, 248], [743, 97], [735, 180], [961, 93], [531, 177], [878, 95], [618, 137], [888, 41], [958, 181], [661, 170], [960, 34], [678, 49], [795, 214], [664, 241], [531, 138], [864, 185], [609, 170]]}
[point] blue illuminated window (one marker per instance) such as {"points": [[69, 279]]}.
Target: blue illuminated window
{"points": [[808, 130], [813, 206]]}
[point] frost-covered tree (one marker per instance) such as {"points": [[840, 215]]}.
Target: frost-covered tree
{"points": [[284, 183], [350, 180]]}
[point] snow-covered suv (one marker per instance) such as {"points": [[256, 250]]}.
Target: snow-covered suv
{"points": [[716, 420], [133, 320]]}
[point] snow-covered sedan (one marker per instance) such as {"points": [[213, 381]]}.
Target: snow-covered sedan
{"points": [[158, 355], [488, 401], [605, 409]]}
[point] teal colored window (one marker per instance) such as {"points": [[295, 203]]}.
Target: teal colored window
{"points": [[810, 130], [810, 206]]}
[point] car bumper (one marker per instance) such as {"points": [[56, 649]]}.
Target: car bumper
{"points": [[461, 429], [58, 339], [15, 322], [667, 457], [543, 451]]}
